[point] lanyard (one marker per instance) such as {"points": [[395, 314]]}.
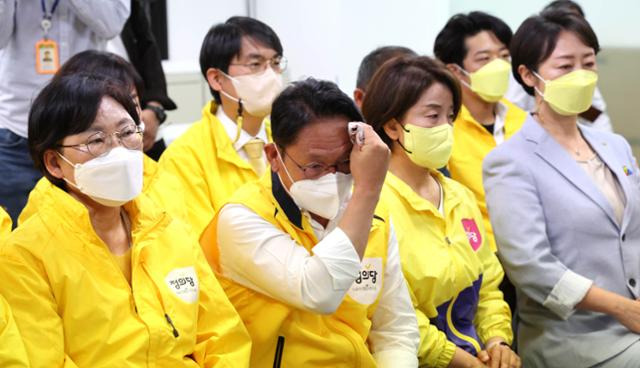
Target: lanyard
{"points": [[46, 17]]}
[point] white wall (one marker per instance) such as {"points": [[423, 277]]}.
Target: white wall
{"points": [[188, 23], [327, 39], [614, 21]]}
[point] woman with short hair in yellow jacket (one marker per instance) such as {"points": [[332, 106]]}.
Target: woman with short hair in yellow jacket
{"points": [[453, 275], [159, 185], [99, 276]]}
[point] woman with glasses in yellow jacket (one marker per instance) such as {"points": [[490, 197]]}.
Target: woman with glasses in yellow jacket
{"points": [[453, 275], [159, 185], [100, 276]]}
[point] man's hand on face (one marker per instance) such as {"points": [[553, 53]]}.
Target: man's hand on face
{"points": [[369, 159]]}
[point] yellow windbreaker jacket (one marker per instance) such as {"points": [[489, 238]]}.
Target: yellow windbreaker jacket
{"points": [[162, 187], [453, 275], [208, 167], [471, 143], [310, 339], [74, 307], [5, 224], [12, 353]]}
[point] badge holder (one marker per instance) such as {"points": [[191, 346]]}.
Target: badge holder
{"points": [[47, 56]]}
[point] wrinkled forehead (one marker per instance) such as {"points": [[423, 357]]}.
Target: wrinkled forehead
{"points": [[323, 140]]}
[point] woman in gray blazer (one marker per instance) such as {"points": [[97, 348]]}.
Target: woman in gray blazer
{"points": [[564, 202]]}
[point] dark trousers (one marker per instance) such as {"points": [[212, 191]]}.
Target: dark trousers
{"points": [[509, 294], [19, 175]]}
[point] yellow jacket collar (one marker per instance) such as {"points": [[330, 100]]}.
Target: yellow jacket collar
{"points": [[465, 117], [220, 138], [418, 203], [150, 171], [61, 210], [511, 122]]}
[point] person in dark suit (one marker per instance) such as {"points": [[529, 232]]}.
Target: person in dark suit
{"points": [[144, 53]]}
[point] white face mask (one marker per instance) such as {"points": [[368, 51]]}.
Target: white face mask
{"points": [[322, 196], [256, 92], [111, 180]]}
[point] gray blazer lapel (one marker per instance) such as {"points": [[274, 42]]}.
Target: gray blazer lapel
{"points": [[558, 158], [607, 156]]}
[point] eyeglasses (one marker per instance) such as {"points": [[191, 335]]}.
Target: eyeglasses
{"points": [[278, 63], [100, 143], [315, 170]]}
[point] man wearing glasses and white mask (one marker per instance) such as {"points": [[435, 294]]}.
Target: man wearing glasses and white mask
{"points": [[306, 254], [242, 62]]}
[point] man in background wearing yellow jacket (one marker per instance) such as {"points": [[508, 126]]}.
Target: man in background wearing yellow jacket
{"points": [[312, 267], [242, 62], [475, 48]]}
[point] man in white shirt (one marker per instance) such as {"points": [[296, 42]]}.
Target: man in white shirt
{"points": [[311, 264], [60, 28]]}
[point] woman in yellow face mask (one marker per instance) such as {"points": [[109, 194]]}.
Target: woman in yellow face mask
{"points": [[452, 273], [564, 202]]}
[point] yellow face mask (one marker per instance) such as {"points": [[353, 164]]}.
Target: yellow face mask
{"points": [[570, 94], [428, 147], [491, 81]]}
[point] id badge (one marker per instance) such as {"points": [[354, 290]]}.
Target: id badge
{"points": [[47, 60]]}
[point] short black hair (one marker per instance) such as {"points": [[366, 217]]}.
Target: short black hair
{"points": [[374, 60], [66, 106], [537, 36], [224, 41], [398, 85], [305, 101], [450, 46], [566, 5], [106, 64]]}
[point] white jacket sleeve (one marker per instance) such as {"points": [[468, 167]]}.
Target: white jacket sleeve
{"points": [[256, 254], [394, 336]]}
